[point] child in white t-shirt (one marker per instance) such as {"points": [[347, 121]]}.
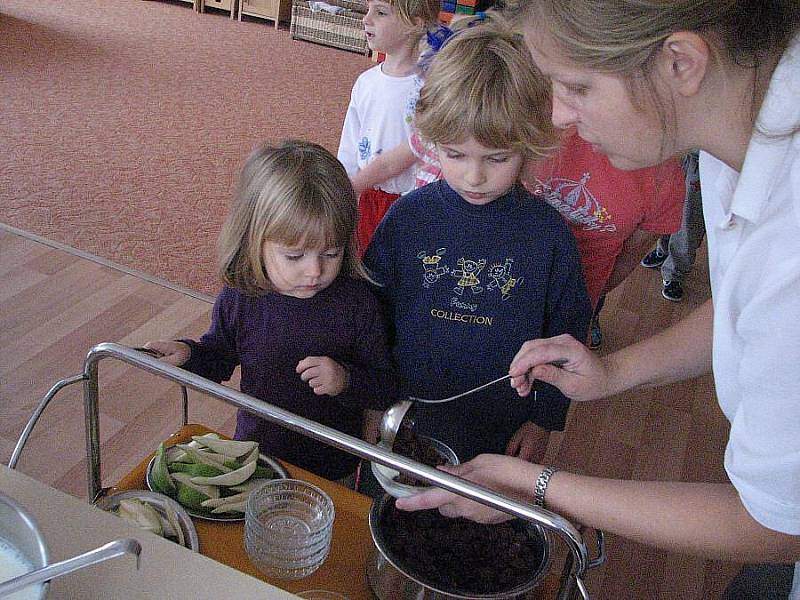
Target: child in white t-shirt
{"points": [[376, 118]]}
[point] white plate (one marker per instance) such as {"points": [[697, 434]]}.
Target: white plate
{"points": [[264, 461], [159, 502]]}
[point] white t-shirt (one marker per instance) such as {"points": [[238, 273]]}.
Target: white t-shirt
{"points": [[753, 227], [377, 121]]}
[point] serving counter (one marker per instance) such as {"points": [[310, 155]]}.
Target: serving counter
{"points": [[71, 526]]}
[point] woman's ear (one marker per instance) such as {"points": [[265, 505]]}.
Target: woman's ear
{"points": [[684, 61]]}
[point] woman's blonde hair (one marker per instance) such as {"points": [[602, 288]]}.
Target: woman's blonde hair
{"points": [[293, 193], [622, 37], [483, 84]]}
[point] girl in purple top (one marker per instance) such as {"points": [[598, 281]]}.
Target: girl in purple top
{"points": [[296, 312]]}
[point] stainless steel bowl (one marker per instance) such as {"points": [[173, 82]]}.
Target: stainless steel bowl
{"points": [[386, 475], [391, 579], [19, 530], [160, 502]]}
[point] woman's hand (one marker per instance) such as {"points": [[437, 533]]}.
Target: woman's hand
{"points": [[561, 361], [172, 352], [324, 375], [506, 475]]}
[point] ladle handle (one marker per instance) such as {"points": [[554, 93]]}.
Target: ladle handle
{"points": [[92, 557]]}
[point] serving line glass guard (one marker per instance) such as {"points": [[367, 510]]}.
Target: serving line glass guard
{"points": [[576, 565]]}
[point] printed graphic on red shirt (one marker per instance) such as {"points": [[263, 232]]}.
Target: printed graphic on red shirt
{"points": [[576, 203]]}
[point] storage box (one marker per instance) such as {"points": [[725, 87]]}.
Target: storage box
{"points": [[344, 30]]}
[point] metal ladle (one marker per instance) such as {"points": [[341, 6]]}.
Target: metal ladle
{"points": [[402, 414], [92, 557], [396, 416]]}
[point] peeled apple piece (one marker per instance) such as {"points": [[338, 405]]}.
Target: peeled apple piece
{"points": [[230, 448], [195, 469], [209, 491], [238, 507], [208, 458], [233, 478], [140, 514], [253, 456], [174, 525], [160, 473], [190, 497], [235, 499]]}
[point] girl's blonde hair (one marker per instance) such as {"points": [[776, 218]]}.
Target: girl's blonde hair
{"points": [[622, 37], [482, 84], [295, 193], [409, 11]]}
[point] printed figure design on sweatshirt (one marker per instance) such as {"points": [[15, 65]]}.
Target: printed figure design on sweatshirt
{"points": [[502, 279], [468, 275], [432, 271], [576, 203], [364, 148]]}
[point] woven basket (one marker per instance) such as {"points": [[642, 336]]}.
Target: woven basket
{"points": [[345, 30]]}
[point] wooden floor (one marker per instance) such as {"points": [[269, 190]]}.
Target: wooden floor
{"points": [[56, 304]]}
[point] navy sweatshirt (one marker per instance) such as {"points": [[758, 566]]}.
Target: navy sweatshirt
{"points": [[464, 287]]}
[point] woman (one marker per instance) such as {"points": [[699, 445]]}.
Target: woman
{"points": [[643, 81]]}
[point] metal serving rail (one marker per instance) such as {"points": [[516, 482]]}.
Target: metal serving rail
{"points": [[576, 565]]}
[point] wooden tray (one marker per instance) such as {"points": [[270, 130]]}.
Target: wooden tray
{"points": [[344, 571]]}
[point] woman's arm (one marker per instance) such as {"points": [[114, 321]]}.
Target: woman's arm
{"points": [[705, 519], [679, 352]]}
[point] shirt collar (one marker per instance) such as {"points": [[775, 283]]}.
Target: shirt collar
{"points": [[502, 205], [779, 113]]}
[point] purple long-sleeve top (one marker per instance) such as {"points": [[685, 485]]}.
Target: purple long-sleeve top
{"points": [[269, 334]]}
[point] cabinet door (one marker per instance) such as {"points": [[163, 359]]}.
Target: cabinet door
{"points": [[267, 8], [223, 4]]}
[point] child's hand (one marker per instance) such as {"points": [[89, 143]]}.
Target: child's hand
{"points": [[324, 375], [172, 352]]}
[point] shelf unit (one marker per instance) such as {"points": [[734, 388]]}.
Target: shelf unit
{"points": [[226, 5], [273, 10]]}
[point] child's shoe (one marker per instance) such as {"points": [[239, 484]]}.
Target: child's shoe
{"points": [[672, 291], [654, 259]]}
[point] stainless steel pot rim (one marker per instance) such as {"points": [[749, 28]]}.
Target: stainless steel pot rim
{"points": [[378, 508], [42, 557]]}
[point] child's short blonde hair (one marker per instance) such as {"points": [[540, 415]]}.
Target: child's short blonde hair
{"points": [[412, 12], [483, 84], [295, 193]]}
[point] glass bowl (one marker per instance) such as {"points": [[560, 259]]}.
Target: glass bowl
{"points": [[288, 528]]}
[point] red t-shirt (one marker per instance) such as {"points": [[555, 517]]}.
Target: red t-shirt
{"points": [[605, 205]]}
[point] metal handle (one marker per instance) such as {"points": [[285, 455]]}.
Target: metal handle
{"points": [[461, 395], [561, 526], [45, 402], [34, 418], [108, 551]]}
